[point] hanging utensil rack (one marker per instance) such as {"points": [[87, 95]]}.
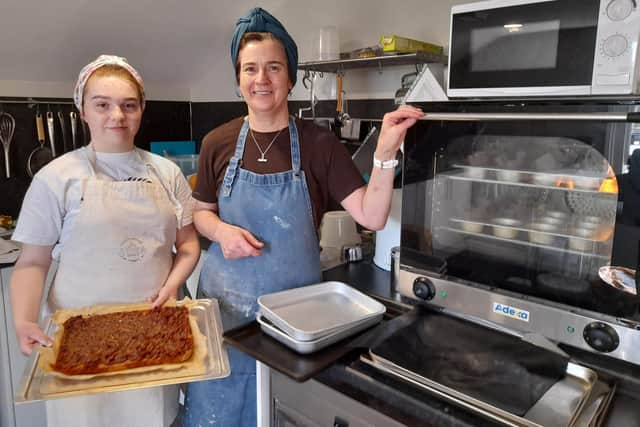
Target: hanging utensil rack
{"points": [[31, 102]]}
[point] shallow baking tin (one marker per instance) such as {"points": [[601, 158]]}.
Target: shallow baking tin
{"points": [[558, 407], [207, 314], [311, 312], [306, 347]]}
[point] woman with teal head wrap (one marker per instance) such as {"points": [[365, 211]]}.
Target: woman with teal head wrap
{"points": [[259, 20], [264, 182]]}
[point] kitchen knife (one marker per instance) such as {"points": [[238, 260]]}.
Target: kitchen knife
{"points": [[63, 128], [52, 138], [73, 119]]}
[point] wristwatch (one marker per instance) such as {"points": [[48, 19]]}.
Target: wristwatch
{"points": [[387, 164]]}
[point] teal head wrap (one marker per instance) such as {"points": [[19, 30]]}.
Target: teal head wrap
{"points": [[259, 20]]}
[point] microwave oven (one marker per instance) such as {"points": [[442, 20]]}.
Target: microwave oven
{"points": [[530, 48]]}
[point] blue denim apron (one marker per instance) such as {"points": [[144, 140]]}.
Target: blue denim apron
{"points": [[276, 209]]}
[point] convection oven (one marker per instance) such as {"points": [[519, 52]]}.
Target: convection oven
{"points": [[526, 214]]}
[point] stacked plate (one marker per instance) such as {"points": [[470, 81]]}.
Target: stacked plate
{"points": [[309, 318]]}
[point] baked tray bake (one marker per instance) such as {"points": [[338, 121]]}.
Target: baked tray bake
{"points": [[209, 360]]}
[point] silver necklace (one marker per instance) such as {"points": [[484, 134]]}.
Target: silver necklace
{"points": [[262, 159]]}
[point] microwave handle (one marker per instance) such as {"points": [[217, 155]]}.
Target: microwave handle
{"points": [[484, 117]]}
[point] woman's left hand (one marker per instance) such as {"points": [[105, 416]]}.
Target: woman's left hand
{"points": [[394, 129], [163, 296]]}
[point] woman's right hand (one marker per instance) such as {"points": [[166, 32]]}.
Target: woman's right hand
{"points": [[30, 333], [237, 242]]}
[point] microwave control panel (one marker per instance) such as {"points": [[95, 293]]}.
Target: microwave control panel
{"points": [[616, 56]]}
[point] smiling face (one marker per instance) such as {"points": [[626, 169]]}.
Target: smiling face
{"points": [[263, 77], [112, 109]]}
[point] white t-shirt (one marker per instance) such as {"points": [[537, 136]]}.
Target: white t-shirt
{"points": [[52, 202]]}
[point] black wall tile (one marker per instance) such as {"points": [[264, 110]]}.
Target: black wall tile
{"points": [[208, 115], [162, 121]]}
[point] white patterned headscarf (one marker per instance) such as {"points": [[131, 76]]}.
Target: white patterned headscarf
{"points": [[101, 61]]}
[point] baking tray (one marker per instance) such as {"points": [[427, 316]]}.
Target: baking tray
{"points": [[561, 411], [38, 385], [311, 312], [596, 407], [306, 347]]}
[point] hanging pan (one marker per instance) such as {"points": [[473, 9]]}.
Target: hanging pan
{"points": [[41, 155]]}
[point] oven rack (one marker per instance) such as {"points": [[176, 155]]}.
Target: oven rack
{"points": [[521, 178], [519, 241]]}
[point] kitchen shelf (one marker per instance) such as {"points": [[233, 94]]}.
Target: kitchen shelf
{"points": [[340, 65]]}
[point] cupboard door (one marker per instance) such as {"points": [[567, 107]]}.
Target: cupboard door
{"points": [[6, 393], [319, 405], [284, 416], [32, 414]]}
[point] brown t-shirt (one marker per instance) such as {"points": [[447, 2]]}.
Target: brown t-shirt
{"points": [[327, 165]]}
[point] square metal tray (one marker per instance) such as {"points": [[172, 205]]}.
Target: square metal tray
{"points": [[311, 312], [560, 406], [306, 347], [37, 385]]}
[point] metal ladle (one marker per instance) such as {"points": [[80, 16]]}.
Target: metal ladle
{"points": [[7, 127], [308, 81]]}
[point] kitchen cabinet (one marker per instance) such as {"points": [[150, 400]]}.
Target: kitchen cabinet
{"points": [[12, 364], [312, 404]]}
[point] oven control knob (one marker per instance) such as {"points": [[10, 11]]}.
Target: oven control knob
{"points": [[601, 337], [617, 10], [615, 45], [424, 288]]}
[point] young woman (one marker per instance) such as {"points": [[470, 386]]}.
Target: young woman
{"points": [[110, 215], [264, 182]]}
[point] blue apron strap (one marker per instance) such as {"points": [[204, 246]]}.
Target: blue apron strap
{"points": [[295, 147], [234, 163]]}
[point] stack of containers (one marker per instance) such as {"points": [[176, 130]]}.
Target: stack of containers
{"points": [[310, 318]]}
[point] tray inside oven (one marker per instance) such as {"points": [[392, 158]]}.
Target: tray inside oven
{"points": [[574, 408], [39, 385], [491, 366]]}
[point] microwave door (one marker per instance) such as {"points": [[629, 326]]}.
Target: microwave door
{"points": [[551, 48]]}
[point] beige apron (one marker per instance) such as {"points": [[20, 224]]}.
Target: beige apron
{"points": [[119, 251]]}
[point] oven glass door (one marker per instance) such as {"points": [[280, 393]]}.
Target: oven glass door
{"points": [[551, 43], [535, 204]]}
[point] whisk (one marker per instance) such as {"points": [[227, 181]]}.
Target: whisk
{"points": [[7, 126]]}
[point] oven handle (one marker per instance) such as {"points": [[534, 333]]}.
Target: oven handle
{"points": [[462, 117]]}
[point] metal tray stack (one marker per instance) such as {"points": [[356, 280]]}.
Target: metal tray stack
{"points": [[310, 318]]}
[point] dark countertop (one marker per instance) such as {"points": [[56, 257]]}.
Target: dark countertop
{"points": [[395, 399], [405, 404]]}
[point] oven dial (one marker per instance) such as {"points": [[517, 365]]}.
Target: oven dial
{"points": [[601, 337], [424, 288], [615, 45], [617, 10]]}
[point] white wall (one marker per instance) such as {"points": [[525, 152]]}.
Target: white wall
{"points": [[182, 48], [360, 24]]}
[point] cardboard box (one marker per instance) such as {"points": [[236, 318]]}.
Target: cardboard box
{"points": [[397, 44]]}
